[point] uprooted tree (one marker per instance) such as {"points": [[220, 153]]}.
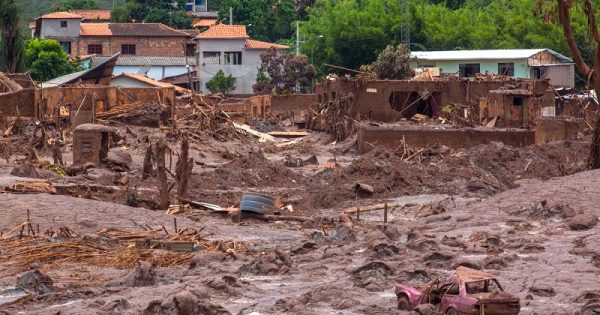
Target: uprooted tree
{"points": [[550, 10], [392, 63], [282, 73]]}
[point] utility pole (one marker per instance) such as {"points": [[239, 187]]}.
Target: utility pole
{"points": [[230, 15], [297, 38], [405, 23]]}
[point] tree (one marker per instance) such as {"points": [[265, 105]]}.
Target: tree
{"points": [[221, 83], [393, 63], [66, 5], [285, 72], [168, 12], [46, 59], [11, 36]]}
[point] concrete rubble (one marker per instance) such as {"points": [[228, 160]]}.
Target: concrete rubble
{"points": [[151, 201]]}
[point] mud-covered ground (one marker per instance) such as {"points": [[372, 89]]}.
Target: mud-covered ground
{"points": [[524, 214]]}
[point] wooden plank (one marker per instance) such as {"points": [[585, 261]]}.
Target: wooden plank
{"points": [[289, 134]]}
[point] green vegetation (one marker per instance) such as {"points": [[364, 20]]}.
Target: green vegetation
{"points": [[393, 63], [11, 36], [221, 83], [46, 60], [168, 12], [352, 33], [66, 5], [285, 73]]}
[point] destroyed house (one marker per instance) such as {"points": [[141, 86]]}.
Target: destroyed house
{"points": [[106, 39], [230, 49], [516, 102], [518, 63]]}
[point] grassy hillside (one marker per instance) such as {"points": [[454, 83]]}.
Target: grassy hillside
{"points": [[34, 8]]}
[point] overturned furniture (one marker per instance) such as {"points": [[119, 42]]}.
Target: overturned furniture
{"points": [[91, 143]]}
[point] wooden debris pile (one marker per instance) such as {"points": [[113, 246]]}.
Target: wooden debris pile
{"points": [[209, 120], [24, 246], [333, 117]]}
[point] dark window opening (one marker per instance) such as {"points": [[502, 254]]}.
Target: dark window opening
{"points": [[128, 49], [64, 24], [325, 97], [95, 49], [468, 69], [319, 98], [333, 95], [190, 50], [412, 103], [453, 290], [66, 47], [233, 58], [518, 101], [507, 69], [539, 73]]}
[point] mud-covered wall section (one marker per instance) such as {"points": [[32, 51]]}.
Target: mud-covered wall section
{"points": [[22, 101], [286, 106]]}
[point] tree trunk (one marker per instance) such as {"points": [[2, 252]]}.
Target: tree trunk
{"points": [[148, 168], [163, 188], [184, 168]]}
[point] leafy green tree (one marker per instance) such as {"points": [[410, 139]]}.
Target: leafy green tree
{"points": [[221, 83], [285, 72], [66, 5], [46, 59], [11, 36], [393, 63]]}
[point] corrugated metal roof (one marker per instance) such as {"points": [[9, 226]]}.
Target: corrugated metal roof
{"points": [[125, 60], [492, 54], [93, 75]]}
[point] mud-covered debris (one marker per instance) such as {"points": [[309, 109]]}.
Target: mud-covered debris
{"points": [[143, 276], [542, 290], [28, 170], [466, 262], [372, 276], [36, 281], [426, 309], [583, 221], [268, 264], [118, 159], [384, 251], [183, 303], [207, 258], [305, 248], [439, 259], [116, 306]]}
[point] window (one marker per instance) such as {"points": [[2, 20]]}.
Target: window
{"points": [[518, 101], [190, 50], [233, 58], [453, 289], [211, 58], [128, 49], [506, 69], [66, 47], [64, 24], [95, 49], [468, 69], [539, 72]]}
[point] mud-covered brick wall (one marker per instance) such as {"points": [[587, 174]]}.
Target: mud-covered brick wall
{"points": [[284, 106], [86, 147], [558, 128], [391, 137], [145, 46], [22, 101]]}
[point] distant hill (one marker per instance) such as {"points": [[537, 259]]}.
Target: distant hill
{"points": [[35, 8]]}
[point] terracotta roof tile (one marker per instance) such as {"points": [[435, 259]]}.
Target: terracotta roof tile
{"points": [[95, 29], [224, 31], [130, 29], [61, 15], [93, 14], [205, 22], [256, 44]]}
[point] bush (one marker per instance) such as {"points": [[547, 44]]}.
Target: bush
{"points": [[221, 83]]}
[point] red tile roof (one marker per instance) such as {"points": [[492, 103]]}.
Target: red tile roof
{"points": [[130, 29], [95, 29], [93, 14], [256, 44], [205, 22], [224, 31], [61, 15]]}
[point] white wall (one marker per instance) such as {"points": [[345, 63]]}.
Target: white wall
{"points": [[129, 83], [51, 28], [156, 72], [245, 74]]}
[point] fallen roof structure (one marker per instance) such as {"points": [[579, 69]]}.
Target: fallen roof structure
{"points": [[99, 74]]}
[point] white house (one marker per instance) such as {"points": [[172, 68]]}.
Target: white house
{"points": [[229, 48]]}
